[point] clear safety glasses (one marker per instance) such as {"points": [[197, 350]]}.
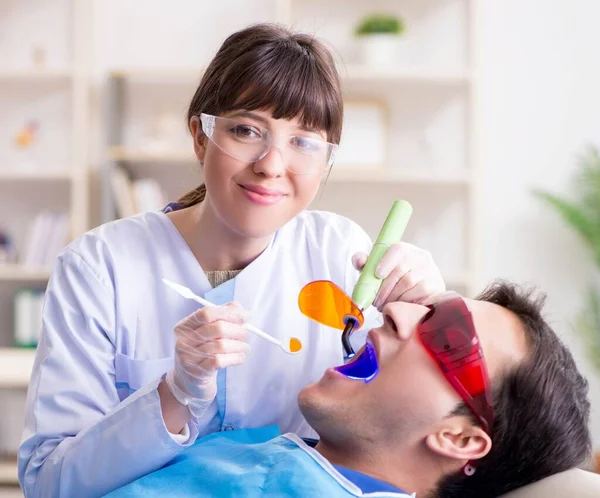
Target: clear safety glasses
{"points": [[243, 140]]}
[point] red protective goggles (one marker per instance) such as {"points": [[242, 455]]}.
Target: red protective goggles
{"points": [[448, 334]]}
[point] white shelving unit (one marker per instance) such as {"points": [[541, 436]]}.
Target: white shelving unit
{"points": [[8, 473], [51, 92], [72, 78], [355, 72], [72, 173], [35, 76], [35, 176], [16, 367], [119, 153], [21, 273]]}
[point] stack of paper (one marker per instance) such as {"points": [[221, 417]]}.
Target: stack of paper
{"points": [[135, 196], [48, 234]]}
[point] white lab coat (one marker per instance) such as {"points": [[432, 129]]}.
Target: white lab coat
{"points": [[93, 418]]}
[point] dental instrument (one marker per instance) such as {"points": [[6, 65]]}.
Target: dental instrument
{"points": [[368, 285], [291, 345], [328, 304]]}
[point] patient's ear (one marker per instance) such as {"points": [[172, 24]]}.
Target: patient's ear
{"points": [[457, 438], [199, 138]]}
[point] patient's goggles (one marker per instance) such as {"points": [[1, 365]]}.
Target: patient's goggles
{"points": [[448, 333], [449, 336], [242, 139]]}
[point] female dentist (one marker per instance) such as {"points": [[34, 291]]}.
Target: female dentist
{"points": [[127, 373]]}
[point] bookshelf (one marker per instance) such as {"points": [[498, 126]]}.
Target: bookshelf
{"points": [[23, 273], [8, 473], [59, 87], [8, 175], [123, 154], [15, 367], [44, 78], [36, 77], [419, 76]]}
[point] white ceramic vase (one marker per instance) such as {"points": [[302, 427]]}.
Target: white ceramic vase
{"points": [[379, 49]]}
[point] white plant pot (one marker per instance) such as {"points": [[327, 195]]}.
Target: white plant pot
{"points": [[379, 50]]}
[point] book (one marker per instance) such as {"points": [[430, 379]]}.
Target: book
{"points": [[28, 306]]}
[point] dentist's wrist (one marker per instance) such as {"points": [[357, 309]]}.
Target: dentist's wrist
{"points": [[195, 405], [175, 414]]}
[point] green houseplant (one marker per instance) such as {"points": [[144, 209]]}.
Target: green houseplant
{"points": [[582, 214], [380, 24], [379, 35]]}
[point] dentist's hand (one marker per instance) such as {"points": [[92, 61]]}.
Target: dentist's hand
{"points": [[207, 340], [409, 274]]}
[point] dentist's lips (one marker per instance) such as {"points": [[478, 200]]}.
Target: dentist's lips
{"points": [[363, 366], [261, 195]]}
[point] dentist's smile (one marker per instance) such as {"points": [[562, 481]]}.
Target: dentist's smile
{"points": [[262, 195]]}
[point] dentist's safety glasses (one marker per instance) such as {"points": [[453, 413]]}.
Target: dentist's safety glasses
{"points": [[324, 302], [363, 366], [245, 140], [449, 336]]}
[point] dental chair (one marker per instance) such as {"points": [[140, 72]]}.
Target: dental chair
{"points": [[574, 483]]}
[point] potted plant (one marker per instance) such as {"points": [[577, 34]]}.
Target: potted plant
{"points": [[379, 35], [582, 214]]}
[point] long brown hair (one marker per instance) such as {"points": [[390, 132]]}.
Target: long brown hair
{"points": [[268, 67]]}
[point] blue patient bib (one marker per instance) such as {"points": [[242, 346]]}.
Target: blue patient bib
{"points": [[249, 463]]}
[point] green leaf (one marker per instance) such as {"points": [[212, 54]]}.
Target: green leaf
{"points": [[588, 325], [582, 214], [587, 183], [576, 218], [380, 23]]}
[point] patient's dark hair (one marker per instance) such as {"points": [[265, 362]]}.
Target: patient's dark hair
{"points": [[541, 409]]}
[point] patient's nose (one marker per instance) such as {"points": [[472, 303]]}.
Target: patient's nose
{"points": [[402, 318]]}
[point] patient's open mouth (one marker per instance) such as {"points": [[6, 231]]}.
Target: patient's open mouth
{"points": [[363, 366]]}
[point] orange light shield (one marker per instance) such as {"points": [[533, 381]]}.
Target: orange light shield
{"points": [[324, 302]]}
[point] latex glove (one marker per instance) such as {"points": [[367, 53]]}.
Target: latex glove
{"points": [[206, 341], [409, 274]]}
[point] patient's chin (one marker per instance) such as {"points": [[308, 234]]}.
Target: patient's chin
{"points": [[314, 409], [314, 403], [305, 403], [306, 397]]}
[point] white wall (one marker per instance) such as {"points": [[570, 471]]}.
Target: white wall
{"points": [[540, 101]]}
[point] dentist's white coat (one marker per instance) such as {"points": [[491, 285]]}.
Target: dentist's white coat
{"points": [[93, 418]]}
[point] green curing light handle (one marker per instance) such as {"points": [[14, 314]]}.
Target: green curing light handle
{"points": [[368, 284]]}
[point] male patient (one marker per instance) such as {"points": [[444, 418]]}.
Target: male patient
{"points": [[425, 425]]}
